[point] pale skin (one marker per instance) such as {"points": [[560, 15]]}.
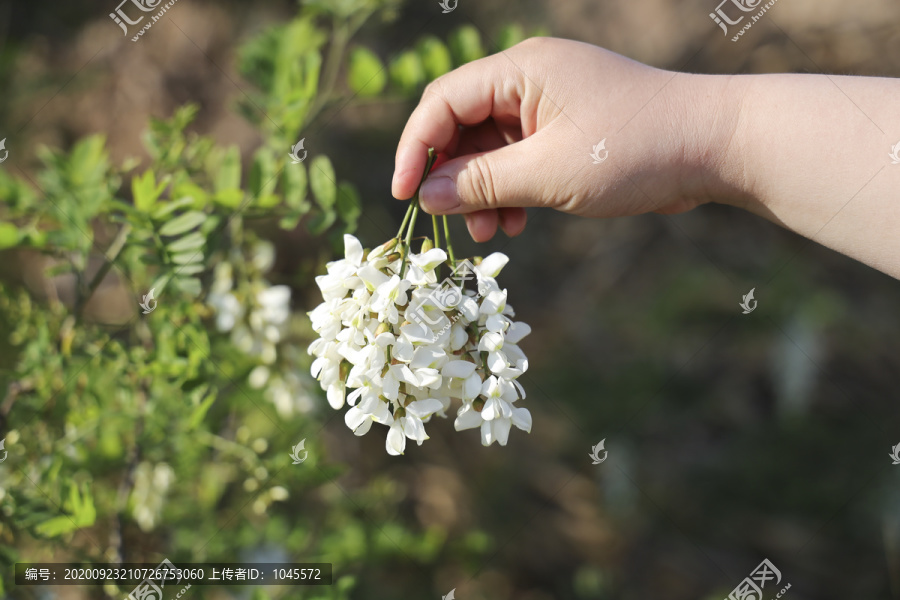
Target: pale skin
{"points": [[809, 152]]}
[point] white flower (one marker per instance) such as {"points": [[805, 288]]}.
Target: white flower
{"points": [[395, 349]]}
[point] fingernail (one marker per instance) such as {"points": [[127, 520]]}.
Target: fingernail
{"points": [[438, 194]]}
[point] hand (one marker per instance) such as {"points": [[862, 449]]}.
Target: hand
{"points": [[519, 127]]}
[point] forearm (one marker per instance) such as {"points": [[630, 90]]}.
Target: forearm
{"points": [[810, 152]]}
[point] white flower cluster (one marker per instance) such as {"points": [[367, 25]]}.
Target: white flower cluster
{"points": [[257, 318], [398, 349]]}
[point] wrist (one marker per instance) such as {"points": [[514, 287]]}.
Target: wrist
{"points": [[716, 143]]}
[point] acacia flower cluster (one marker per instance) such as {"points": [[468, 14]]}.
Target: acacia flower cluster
{"points": [[398, 347]]}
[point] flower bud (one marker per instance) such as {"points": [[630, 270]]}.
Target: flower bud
{"points": [[383, 249], [382, 328], [477, 260], [345, 370], [427, 245]]}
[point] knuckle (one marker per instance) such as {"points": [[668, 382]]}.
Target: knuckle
{"points": [[434, 88], [480, 184]]}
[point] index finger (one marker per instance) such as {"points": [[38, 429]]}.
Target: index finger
{"points": [[469, 95]]}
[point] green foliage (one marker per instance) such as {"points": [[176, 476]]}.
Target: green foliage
{"points": [[365, 73], [166, 431]]}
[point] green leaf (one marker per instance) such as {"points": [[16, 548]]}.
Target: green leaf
{"points": [[289, 221], [262, 180], [365, 73], [170, 207], [191, 269], [9, 235], [435, 57], [465, 45], [349, 206], [185, 258], [183, 223], [80, 504], [188, 285], [228, 176], [407, 72], [322, 181], [229, 198], [192, 241], [145, 190], [322, 221], [293, 186]]}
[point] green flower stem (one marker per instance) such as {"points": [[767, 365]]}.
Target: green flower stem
{"points": [[449, 243], [405, 221], [414, 207], [437, 231]]}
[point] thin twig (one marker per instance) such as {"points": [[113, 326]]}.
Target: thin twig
{"points": [[112, 254]]}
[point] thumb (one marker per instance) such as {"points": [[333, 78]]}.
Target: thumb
{"points": [[513, 175]]}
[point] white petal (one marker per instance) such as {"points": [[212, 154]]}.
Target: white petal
{"points": [[354, 418], [467, 418], [413, 429], [402, 349], [335, 395], [492, 409], [472, 387], [353, 250], [364, 428], [490, 342], [458, 337], [517, 331], [396, 440], [487, 436], [427, 261], [521, 418], [458, 368], [497, 362], [427, 357], [492, 264], [493, 303], [424, 408], [372, 277], [500, 429]]}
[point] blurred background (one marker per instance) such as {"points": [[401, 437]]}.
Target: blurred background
{"points": [[732, 438]]}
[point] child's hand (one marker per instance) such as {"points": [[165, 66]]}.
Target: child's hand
{"points": [[530, 117]]}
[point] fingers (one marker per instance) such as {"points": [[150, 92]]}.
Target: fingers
{"points": [[512, 220], [482, 225], [517, 175], [466, 96]]}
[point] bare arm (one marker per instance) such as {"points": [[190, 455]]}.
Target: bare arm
{"points": [[809, 152]]}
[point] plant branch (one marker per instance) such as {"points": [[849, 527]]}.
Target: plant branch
{"points": [[112, 253]]}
